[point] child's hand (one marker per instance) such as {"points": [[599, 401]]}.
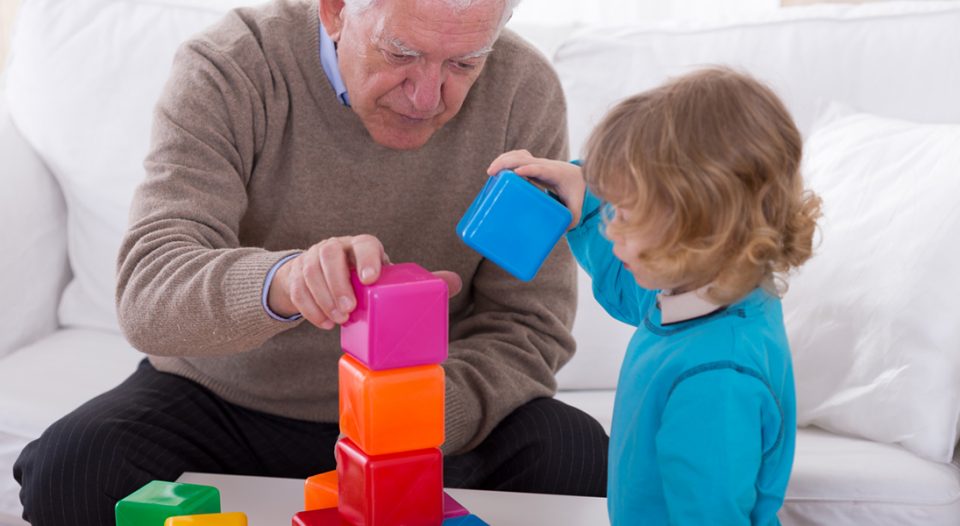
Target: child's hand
{"points": [[564, 178]]}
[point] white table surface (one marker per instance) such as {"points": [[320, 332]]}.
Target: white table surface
{"points": [[274, 501]]}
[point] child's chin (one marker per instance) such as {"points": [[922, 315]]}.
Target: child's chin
{"points": [[645, 283]]}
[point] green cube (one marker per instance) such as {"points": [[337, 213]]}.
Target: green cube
{"points": [[152, 504]]}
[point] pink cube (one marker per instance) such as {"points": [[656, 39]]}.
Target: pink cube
{"points": [[452, 508], [389, 490], [400, 321]]}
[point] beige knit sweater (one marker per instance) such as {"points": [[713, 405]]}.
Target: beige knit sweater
{"points": [[253, 157]]}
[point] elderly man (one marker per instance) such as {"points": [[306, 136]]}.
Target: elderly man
{"points": [[287, 149]]}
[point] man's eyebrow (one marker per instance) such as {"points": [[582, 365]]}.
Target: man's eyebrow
{"points": [[402, 48], [477, 54]]}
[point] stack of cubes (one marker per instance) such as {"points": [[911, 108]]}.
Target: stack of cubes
{"points": [[389, 465]]}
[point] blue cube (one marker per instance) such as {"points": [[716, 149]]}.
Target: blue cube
{"points": [[514, 224], [466, 520]]}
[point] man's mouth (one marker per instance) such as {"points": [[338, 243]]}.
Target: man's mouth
{"points": [[413, 120], [413, 117]]}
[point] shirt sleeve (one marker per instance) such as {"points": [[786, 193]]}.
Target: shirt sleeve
{"points": [[710, 445], [613, 285], [186, 287]]}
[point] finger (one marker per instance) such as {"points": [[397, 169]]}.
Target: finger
{"points": [[543, 170], [316, 281], [336, 274], [369, 256], [509, 160], [453, 281], [303, 300]]}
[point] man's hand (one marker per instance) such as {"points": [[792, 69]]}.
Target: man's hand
{"points": [[564, 178], [317, 285]]}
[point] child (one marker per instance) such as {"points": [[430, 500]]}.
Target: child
{"points": [[705, 211]]}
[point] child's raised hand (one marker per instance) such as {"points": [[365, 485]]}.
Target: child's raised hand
{"points": [[564, 178]]}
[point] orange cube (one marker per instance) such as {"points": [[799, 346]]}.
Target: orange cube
{"points": [[393, 410], [320, 491]]}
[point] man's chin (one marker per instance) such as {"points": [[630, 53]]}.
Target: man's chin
{"points": [[402, 139]]}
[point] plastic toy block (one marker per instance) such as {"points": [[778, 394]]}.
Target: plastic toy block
{"points": [[325, 517], [387, 490], [452, 508], [391, 411], [157, 501], [320, 491], [209, 519], [466, 520], [514, 224], [399, 321]]}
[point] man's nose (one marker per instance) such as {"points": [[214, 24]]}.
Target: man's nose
{"points": [[424, 88]]}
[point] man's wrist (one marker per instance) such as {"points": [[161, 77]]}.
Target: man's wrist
{"points": [[276, 299]]}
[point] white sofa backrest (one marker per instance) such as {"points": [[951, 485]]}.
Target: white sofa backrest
{"points": [[898, 59], [82, 82], [33, 266]]}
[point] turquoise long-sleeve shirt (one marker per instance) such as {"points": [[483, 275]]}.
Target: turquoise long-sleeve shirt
{"points": [[704, 420]]}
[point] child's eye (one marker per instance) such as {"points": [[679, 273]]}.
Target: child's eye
{"points": [[609, 213]]}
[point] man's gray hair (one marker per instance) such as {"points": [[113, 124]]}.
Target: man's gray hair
{"points": [[357, 6]]}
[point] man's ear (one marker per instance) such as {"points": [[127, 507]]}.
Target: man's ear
{"points": [[331, 16]]}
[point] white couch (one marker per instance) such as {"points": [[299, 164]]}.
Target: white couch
{"points": [[74, 123]]}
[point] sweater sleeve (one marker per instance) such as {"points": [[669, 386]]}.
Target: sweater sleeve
{"points": [[507, 350], [613, 285], [185, 285], [710, 445]]}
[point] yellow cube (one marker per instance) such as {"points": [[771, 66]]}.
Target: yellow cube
{"points": [[209, 519]]}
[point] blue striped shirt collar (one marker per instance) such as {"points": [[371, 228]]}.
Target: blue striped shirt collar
{"points": [[328, 59]]}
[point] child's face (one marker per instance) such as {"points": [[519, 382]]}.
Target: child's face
{"points": [[628, 247]]}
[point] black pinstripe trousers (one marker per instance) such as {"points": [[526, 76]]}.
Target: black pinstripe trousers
{"points": [[155, 426]]}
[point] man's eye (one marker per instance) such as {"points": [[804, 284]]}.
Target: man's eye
{"points": [[464, 66], [397, 58]]}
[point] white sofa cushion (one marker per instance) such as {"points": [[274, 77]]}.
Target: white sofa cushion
{"points": [[33, 268], [842, 481], [92, 129], [894, 58], [872, 317]]}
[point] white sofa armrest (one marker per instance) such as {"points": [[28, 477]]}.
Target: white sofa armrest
{"points": [[33, 241]]}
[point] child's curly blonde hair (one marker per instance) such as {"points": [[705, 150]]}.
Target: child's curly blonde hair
{"points": [[712, 160]]}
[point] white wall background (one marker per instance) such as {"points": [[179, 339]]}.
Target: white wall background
{"points": [[7, 10], [567, 12], [622, 12]]}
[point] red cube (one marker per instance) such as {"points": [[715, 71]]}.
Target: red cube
{"points": [[387, 490], [325, 517]]}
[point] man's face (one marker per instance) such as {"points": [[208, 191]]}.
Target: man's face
{"points": [[409, 64]]}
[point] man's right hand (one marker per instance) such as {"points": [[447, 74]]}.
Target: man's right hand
{"points": [[317, 284]]}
